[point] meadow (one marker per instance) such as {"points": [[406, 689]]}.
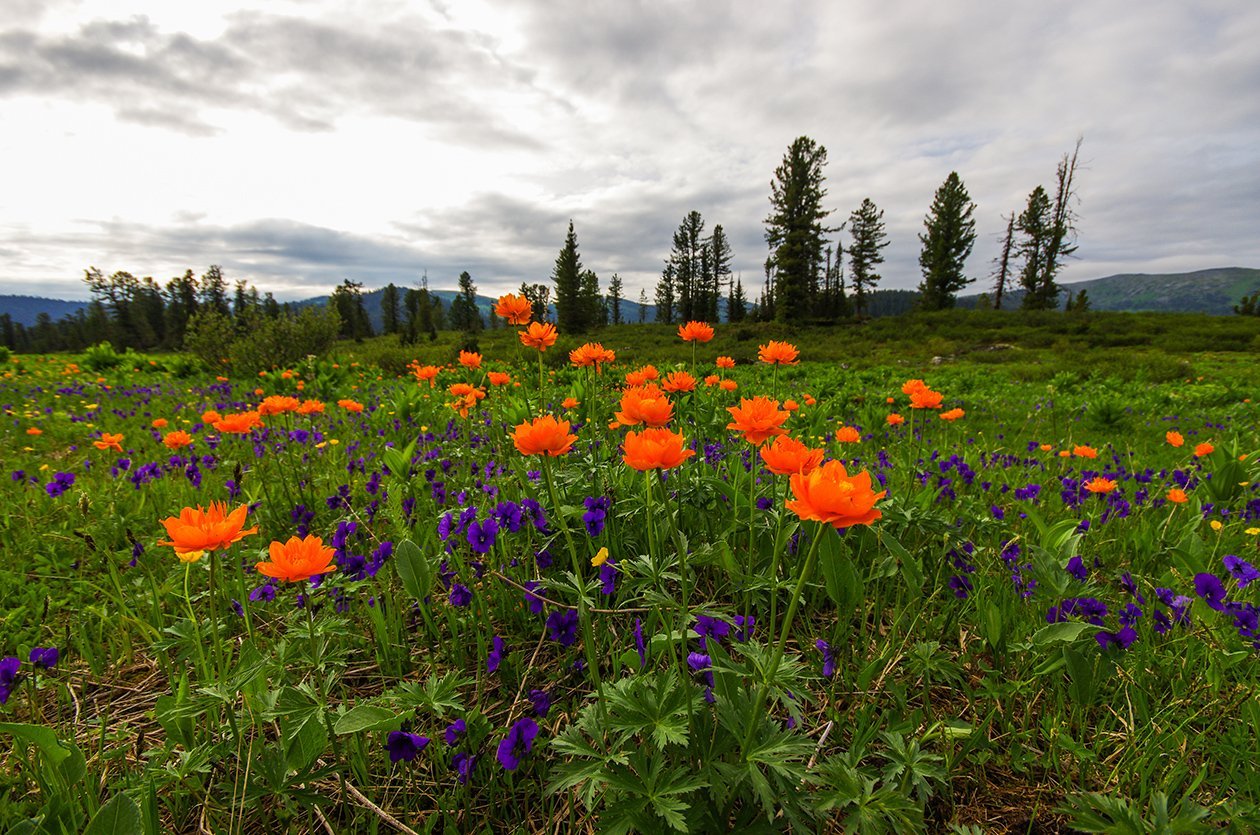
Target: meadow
{"points": [[954, 573]]}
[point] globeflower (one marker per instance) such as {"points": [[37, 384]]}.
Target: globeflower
{"points": [[470, 359], [196, 530], [592, 353], [1200, 450], [677, 381], [177, 439], [498, 378], [298, 559], [848, 435], [1100, 485], [655, 449], [786, 455], [109, 441], [758, 419], [643, 375], [725, 362], [778, 353], [695, 332], [540, 335], [1174, 438], [894, 419], [543, 436], [952, 415], [278, 404], [351, 406], [1177, 496], [925, 398], [909, 387], [425, 373], [830, 495], [517, 310], [1083, 451], [311, 407], [644, 404], [238, 423]]}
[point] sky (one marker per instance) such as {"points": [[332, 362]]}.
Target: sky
{"points": [[298, 143]]}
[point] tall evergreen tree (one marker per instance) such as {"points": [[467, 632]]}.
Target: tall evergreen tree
{"points": [[539, 296], [1061, 240], [737, 304], [1034, 225], [347, 300], [214, 290], [866, 226], [567, 276], [950, 233], [614, 299], [643, 305], [181, 304], [1003, 263], [689, 277], [391, 318], [594, 311], [270, 307], [464, 314], [719, 269], [666, 298], [794, 228]]}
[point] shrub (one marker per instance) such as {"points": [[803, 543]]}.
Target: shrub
{"points": [[266, 344], [101, 357]]}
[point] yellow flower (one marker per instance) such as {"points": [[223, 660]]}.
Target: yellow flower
{"points": [[1252, 531], [1216, 524], [600, 557]]}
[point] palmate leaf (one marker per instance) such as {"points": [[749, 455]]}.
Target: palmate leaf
{"points": [[438, 694], [654, 705]]}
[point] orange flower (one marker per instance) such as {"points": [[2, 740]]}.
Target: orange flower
{"points": [[1100, 485], [677, 381], [848, 435], [830, 495], [758, 419], [790, 405], [655, 449], [545, 435], [470, 359], [725, 362], [466, 390], [1046, 447], [644, 404], [592, 353], [195, 530], [925, 398], [1064, 453], [517, 310], [34, 430], [278, 404], [425, 372], [909, 387], [1200, 450], [109, 441], [160, 423], [1174, 438], [239, 423], [540, 335], [210, 417], [311, 407], [712, 380], [1177, 496], [778, 353], [286, 375], [1083, 451], [570, 403], [258, 392], [695, 332], [498, 378], [177, 439], [894, 419], [298, 559], [351, 405], [952, 415], [785, 455], [642, 375], [728, 385], [809, 400]]}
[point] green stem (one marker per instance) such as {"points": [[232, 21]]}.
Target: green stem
{"points": [[214, 615], [192, 615], [584, 615]]}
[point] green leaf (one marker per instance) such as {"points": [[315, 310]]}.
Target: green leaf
{"points": [[42, 738], [911, 566], [413, 569], [840, 577], [305, 744], [120, 816], [1065, 632], [369, 718]]}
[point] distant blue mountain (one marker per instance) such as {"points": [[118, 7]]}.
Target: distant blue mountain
{"points": [[25, 309]]}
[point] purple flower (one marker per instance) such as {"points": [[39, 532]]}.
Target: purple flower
{"points": [[454, 731], [1123, 638], [460, 595], [829, 660], [1210, 588], [534, 601], [596, 510], [45, 657], [9, 666], [608, 578], [462, 763], [541, 702], [1241, 570], [744, 626], [709, 627], [405, 746], [639, 644], [481, 535], [1076, 567], [496, 654], [562, 626], [518, 742]]}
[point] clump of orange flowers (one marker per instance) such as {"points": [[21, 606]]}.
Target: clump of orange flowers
{"points": [[926, 398], [238, 423], [517, 310], [1174, 438], [351, 405], [725, 362], [1200, 450], [645, 404], [952, 415], [298, 559], [1083, 451], [894, 419], [177, 439], [311, 407], [778, 353], [470, 359], [198, 530], [757, 419], [543, 436], [655, 449], [639, 376], [540, 335], [786, 455], [424, 373], [831, 496], [695, 332], [278, 404], [1177, 496]]}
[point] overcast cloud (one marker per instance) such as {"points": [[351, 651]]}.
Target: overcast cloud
{"points": [[300, 143]]}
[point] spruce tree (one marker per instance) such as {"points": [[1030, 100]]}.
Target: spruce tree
{"points": [[866, 226], [950, 233], [1003, 263], [594, 312], [794, 229], [214, 290], [614, 298], [464, 313], [665, 296], [737, 304], [390, 313], [643, 305], [719, 268], [1034, 227], [567, 277]]}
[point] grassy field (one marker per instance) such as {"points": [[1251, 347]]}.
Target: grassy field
{"points": [[1027, 605]]}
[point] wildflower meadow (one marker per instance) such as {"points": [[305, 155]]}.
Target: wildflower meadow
{"points": [[539, 585]]}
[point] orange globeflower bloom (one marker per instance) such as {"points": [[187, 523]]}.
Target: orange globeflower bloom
{"points": [[570, 403], [540, 335], [311, 407], [809, 400], [425, 372], [592, 353], [517, 310], [677, 381], [712, 380], [642, 375], [258, 392], [655, 449], [239, 423], [160, 423], [1100, 485], [177, 439], [728, 385], [544, 435], [109, 441], [952, 415], [790, 405], [298, 559], [911, 386], [778, 353], [1046, 447], [925, 398], [278, 404], [894, 419], [196, 530], [470, 359], [695, 332], [785, 455], [848, 435], [210, 417], [1083, 451], [1177, 496], [644, 404], [498, 378], [758, 419], [1174, 438], [725, 362], [832, 496], [351, 405], [34, 430], [1200, 450]]}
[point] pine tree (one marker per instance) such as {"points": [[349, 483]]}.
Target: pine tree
{"points": [[539, 296], [643, 305], [464, 313], [866, 226], [947, 242], [594, 312], [737, 304], [567, 275], [686, 269], [794, 229], [390, 313], [1034, 227], [720, 269], [1061, 239], [665, 296], [214, 291], [1003, 263], [181, 304], [614, 298]]}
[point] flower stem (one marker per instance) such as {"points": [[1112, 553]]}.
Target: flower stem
{"points": [[192, 615]]}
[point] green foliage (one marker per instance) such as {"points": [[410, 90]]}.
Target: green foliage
{"points": [[947, 242], [268, 344], [101, 357], [794, 230], [866, 226]]}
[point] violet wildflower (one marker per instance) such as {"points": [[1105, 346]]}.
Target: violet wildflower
{"points": [[495, 658], [562, 626], [608, 578], [518, 742], [462, 763], [9, 667], [460, 595], [454, 731], [535, 602], [639, 644], [1123, 638], [1210, 588], [744, 627], [596, 510], [405, 746], [1241, 570], [829, 659], [1076, 567], [710, 627], [481, 535], [541, 702]]}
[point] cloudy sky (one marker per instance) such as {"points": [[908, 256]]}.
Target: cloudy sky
{"points": [[299, 143]]}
